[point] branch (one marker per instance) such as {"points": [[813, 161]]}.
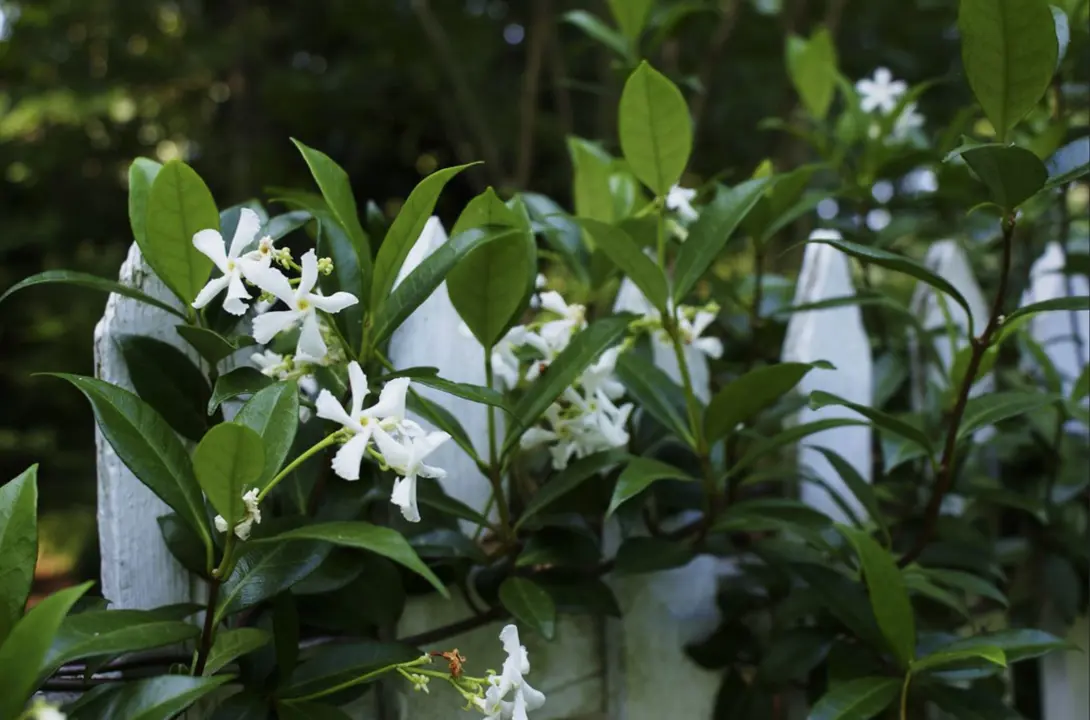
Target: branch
{"points": [[980, 345]]}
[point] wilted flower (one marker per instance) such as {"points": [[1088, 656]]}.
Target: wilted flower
{"points": [[251, 516]]}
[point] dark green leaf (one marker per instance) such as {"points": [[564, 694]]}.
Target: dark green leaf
{"points": [[184, 544], [812, 67], [589, 597], [1017, 645], [88, 281], [748, 395], [351, 274], [110, 632], [158, 698], [819, 399], [860, 699], [232, 644], [441, 418], [569, 479], [648, 554], [264, 569], [966, 582], [863, 490], [167, 380], [792, 655], [473, 393], [240, 381], [212, 346], [1082, 386], [638, 475], [1011, 173], [229, 461], [433, 495], [309, 711], [655, 130], [979, 703], [18, 546], [1074, 304], [789, 436], [991, 408], [627, 255], [771, 513], [560, 547], [529, 604], [279, 226], [944, 658], [1069, 163], [656, 393], [273, 413], [343, 665]]}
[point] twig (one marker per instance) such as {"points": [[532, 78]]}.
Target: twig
{"points": [[979, 346], [541, 28]]}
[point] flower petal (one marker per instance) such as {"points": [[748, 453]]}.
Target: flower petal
{"points": [[309, 276], [333, 303], [710, 346], [210, 244], [237, 296], [329, 409], [394, 453], [536, 436], [358, 380], [214, 287], [310, 338], [391, 401], [346, 463], [271, 324], [248, 226], [272, 281], [404, 496]]}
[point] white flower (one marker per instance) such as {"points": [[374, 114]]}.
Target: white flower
{"points": [[881, 93], [388, 412], [515, 667], [691, 330], [908, 121], [680, 200], [591, 423], [251, 516], [231, 263], [272, 364], [557, 333], [505, 363], [41, 710], [303, 304], [406, 458], [599, 376]]}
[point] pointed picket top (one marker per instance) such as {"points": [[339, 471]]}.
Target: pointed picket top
{"points": [[835, 335], [1064, 335]]}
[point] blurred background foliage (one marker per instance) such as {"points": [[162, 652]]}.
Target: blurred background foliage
{"points": [[391, 89]]}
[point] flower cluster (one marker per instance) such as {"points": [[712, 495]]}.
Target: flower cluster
{"points": [[511, 682], [882, 94]]}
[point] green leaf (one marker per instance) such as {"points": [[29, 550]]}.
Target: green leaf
{"points": [[18, 546], [583, 349], [977, 703], [819, 399], [627, 255], [943, 658], [967, 583], [812, 66], [590, 186], [1068, 164], [309, 711], [991, 408], [421, 282], [365, 536], [1009, 49], [599, 31], [433, 495], [748, 395], [492, 285], [232, 644], [656, 393], [25, 648], [228, 461], [1011, 173], [863, 490], [264, 569], [240, 381], [631, 16], [649, 554], [638, 475], [148, 447], [167, 380], [110, 632], [529, 604], [860, 699], [142, 174], [794, 654], [466, 391], [405, 231], [212, 346], [184, 544], [351, 274], [569, 479], [709, 235], [442, 419], [179, 205], [1082, 386], [1017, 645], [771, 513], [901, 264], [88, 281], [158, 698], [789, 436], [1074, 304], [273, 413], [339, 665], [888, 596], [655, 130]]}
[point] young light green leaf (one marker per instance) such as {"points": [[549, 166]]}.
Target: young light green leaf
{"points": [[229, 461], [142, 174], [638, 475], [631, 15], [88, 281], [240, 381], [179, 205], [945, 658], [25, 648], [655, 129], [1012, 174], [273, 413], [598, 30], [1009, 49], [569, 479], [467, 391], [590, 186], [365, 536], [232, 644], [18, 546], [165, 378], [337, 190], [812, 66], [709, 235], [748, 395], [405, 231], [819, 399], [888, 596], [656, 393], [859, 699], [991, 408], [529, 604], [627, 255]]}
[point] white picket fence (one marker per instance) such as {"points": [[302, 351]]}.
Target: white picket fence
{"points": [[632, 669]]}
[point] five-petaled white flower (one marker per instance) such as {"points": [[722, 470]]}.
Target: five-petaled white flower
{"points": [[272, 364], [881, 93], [691, 331], [406, 458], [680, 200], [387, 413], [505, 363], [573, 318], [232, 263], [249, 518], [909, 119], [303, 304], [495, 706]]}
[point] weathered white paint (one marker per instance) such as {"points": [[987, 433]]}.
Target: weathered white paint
{"points": [[137, 569], [1064, 335], [837, 336]]}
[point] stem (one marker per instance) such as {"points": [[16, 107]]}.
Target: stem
{"points": [[494, 476], [318, 447], [979, 346], [208, 634], [353, 682], [660, 202], [904, 695]]}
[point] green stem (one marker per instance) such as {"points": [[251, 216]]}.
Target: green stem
{"points": [[661, 203], [904, 695], [494, 475], [318, 447], [423, 660], [208, 633]]}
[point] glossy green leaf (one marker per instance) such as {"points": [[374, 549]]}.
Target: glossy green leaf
{"points": [[212, 346], [265, 569], [771, 513], [748, 395], [649, 554], [158, 698], [1011, 173], [229, 461], [442, 419], [656, 393], [583, 349], [232, 644], [888, 596], [885, 421], [529, 604], [142, 174], [627, 255], [860, 699], [1009, 49], [967, 583], [92, 282], [467, 391], [432, 495], [590, 186], [945, 658], [655, 130], [638, 475], [167, 380], [812, 66], [365, 536], [148, 447], [110, 632], [405, 231], [709, 235], [569, 479], [991, 408], [351, 274], [26, 646], [18, 545], [1017, 645], [240, 381], [184, 544], [788, 436], [273, 413], [342, 665], [860, 488], [631, 16], [599, 31], [179, 205], [1072, 304]]}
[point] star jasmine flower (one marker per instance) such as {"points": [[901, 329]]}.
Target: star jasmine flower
{"points": [[406, 458], [231, 263], [680, 200], [881, 93], [303, 306], [557, 333], [691, 330], [387, 413], [41, 710], [908, 121], [251, 516], [273, 365], [599, 376], [512, 678], [505, 363]]}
